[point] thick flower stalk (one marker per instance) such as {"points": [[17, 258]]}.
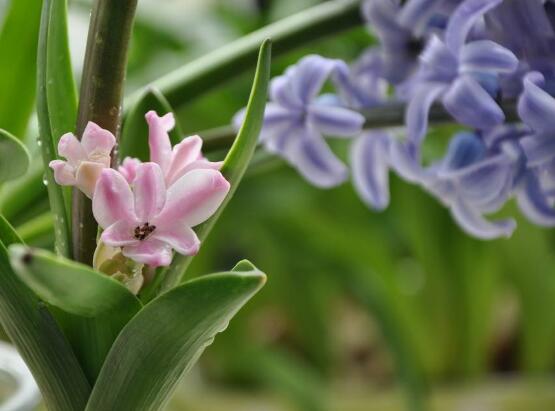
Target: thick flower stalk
{"points": [[470, 56]]}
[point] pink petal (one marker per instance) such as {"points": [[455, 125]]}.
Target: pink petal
{"points": [[87, 175], [113, 199], [150, 251], [182, 238], [64, 174], [183, 154], [119, 234], [158, 138], [129, 168], [193, 198], [70, 148], [97, 142], [202, 164], [150, 191]]}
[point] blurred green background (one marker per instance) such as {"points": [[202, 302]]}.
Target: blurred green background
{"points": [[362, 311]]}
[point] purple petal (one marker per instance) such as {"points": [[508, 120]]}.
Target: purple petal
{"points": [[404, 160], [538, 148], [487, 56], [534, 204], [312, 157], [438, 62], [464, 149], [416, 116], [282, 93], [309, 76], [474, 223], [370, 165], [471, 105], [335, 121], [535, 106], [462, 20]]}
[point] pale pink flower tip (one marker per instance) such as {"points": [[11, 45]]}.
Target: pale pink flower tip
{"points": [[85, 159], [149, 219], [184, 157]]}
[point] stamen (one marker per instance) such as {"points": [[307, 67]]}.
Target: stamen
{"points": [[142, 232]]}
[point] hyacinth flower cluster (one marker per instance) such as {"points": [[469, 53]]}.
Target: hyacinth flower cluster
{"points": [[146, 210], [472, 59]]}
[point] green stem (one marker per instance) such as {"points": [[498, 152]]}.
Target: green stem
{"points": [[100, 98], [387, 115], [191, 80]]}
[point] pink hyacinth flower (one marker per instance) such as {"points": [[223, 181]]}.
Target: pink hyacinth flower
{"points": [[149, 220], [184, 157], [85, 159]]}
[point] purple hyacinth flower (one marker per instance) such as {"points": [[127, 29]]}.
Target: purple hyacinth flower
{"points": [[296, 121], [472, 180], [536, 192], [463, 75]]}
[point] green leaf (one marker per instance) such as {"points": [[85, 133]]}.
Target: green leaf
{"points": [[8, 235], [236, 161], [40, 342], [167, 336], [18, 196], [50, 69], [18, 45], [60, 85], [71, 286], [99, 306], [134, 138], [14, 157]]}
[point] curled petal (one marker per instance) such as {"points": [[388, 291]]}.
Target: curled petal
{"points": [[180, 237], [335, 121], [311, 156], [113, 199], [119, 234], [474, 223], [151, 251], [370, 165], [87, 175], [464, 149], [128, 168], [439, 62], [97, 142], [463, 19], [310, 75], [534, 204], [535, 106], [404, 160], [70, 148], [487, 56], [158, 138], [150, 191], [64, 174], [471, 105], [538, 148], [193, 198], [416, 116], [417, 13], [282, 93]]}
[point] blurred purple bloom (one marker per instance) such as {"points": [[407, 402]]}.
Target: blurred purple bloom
{"points": [[472, 180], [464, 75], [296, 120], [536, 192]]}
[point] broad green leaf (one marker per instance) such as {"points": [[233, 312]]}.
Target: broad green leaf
{"points": [[18, 196], [8, 235], [98, 306], [14, 157], [46, 73], [40, 342], [167, 336], [236, 161], [134, 138], [71, 286], [60, 85], [18, 45]]}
